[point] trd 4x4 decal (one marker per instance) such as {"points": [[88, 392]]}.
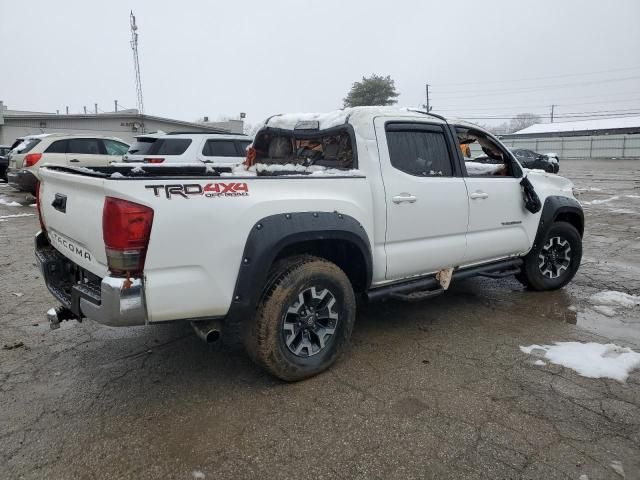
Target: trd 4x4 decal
{"points": [[211, 190]]}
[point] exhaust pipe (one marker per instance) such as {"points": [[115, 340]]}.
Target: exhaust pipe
{"points": [[208, 330]]}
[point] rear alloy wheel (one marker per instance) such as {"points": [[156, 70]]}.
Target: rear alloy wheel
{"points": [[554, 263], [304, 319]]}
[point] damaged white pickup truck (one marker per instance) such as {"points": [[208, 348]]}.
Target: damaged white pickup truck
{"points": [[364, 202]]}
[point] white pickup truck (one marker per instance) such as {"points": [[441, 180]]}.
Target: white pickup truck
{"points": [[365, 202]]}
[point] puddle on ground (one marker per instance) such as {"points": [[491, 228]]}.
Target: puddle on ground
{"points": [[624, 325]]}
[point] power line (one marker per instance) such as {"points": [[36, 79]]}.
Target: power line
{"points": [[542, 78], [493, 107], [467, 94]]}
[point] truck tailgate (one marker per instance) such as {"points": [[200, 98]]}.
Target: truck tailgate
{"points": [[71, 207]]}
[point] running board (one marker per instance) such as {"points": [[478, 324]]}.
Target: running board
{"points": [[418, 295], [428, 284]]}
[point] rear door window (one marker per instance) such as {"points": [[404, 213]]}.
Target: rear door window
{"points": [[59, 146], [85, 146], [115, 148], [169, 146], [419, 150], [220, 148]]}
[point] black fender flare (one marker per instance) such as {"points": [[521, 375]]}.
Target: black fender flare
{"points": [[555, 206], [270, 235]]}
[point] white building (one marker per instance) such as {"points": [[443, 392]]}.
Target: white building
{"points": [[123, 124]]}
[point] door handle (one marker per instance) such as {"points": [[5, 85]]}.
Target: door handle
{"points": [[74, 160], [479, 195], [404, 198]]}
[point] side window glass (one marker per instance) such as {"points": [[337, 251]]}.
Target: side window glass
{"points": [[88, 146], [59, 146], [419, 152], [115, 148], [220, 148]]}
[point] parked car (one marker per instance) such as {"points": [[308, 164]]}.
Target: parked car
{"points": [[4, 161], [30, 152], [530, 159], [189, 147], [370, 202]]}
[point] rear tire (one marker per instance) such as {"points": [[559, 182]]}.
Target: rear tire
{"points": [[555, 260], [304, 319]]}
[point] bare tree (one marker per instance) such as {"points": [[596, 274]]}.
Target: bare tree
{"points": [[523, 120]]}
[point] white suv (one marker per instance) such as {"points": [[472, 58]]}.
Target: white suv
{"points": [[189, 147], [30, 152]]}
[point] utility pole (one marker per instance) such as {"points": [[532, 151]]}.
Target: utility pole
{"points": [[67, 109], [136, 61], [427, 107], [85, 109], [95, 106], [552, 109], [115, 103]]}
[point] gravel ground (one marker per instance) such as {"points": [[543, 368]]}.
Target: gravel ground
{"points": [[438, 389]]}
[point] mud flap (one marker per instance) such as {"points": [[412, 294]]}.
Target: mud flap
{"points": [[444, 277]]}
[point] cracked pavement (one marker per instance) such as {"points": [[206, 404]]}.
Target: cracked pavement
{"points": [[437, 389]]}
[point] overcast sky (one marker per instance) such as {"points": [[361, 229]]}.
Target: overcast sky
{"points": [[483, 58]]}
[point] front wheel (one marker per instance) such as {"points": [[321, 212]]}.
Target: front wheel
{"points": [[554, 262], [304, 320]]}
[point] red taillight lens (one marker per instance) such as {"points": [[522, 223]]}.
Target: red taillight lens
{"points": [[126, 227], [153, 160], [30, 159], [38, 209]]}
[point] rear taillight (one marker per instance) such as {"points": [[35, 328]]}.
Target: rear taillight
{"points": [[38, 209], [153, 160], [30, 159], [126, 227]]}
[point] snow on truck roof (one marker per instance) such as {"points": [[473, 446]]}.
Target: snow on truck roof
{"points": [[353, 115]]}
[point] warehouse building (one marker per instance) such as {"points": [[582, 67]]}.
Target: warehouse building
{"points": [[124, 124], [606, 138]]}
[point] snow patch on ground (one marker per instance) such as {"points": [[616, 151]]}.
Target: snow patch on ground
{"points": [[591, 360], [198, 475], [625, 211], [587, 189], [615, 299], [540, 363], [18, 215], [632, 196], [617, 467], [9, 204], [600, 201], [605, 310]]}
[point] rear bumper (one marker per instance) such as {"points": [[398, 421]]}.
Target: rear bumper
{"points": [[117, 302], [23, 180]]}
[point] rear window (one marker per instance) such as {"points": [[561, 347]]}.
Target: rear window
{"points": [[220, 148], [25, 145], [141, 146], [243, 146], [169, 146]]}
